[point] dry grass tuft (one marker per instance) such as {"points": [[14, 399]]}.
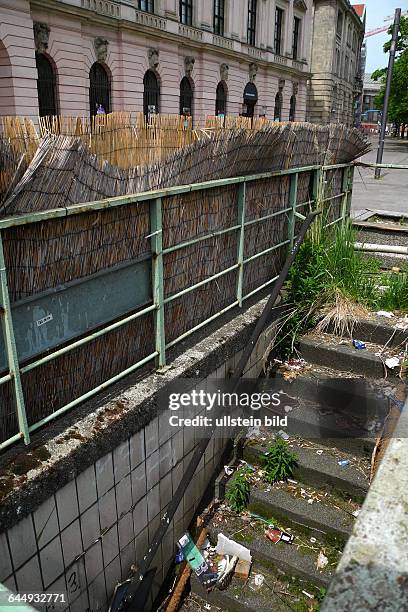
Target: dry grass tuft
{"points": [[342, 317]]}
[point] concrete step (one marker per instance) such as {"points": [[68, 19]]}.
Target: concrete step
{"points": [[322, 521], [328, 352], [380, 330], [321, 470], [237, 598], [288, 558], [279, 592], [343, 429]]}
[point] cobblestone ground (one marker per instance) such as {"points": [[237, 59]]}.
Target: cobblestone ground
{"points": [[391, 191]]}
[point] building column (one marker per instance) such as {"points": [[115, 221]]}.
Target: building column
{"points": [[18, 72], [206, 20], [289, 30]]}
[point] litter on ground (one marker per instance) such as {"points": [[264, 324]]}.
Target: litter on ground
{"points": [[322, 561]]}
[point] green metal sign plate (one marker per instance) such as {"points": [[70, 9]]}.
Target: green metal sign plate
{"points": [[50, 319]]}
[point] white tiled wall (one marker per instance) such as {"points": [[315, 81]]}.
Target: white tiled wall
{"points": [[83, 540]]}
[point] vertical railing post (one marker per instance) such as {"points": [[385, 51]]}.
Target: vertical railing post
{"points": [[241, 239], [317, 188], [345, 186], [157, 278], [293, 189], [350, 190], [11, 350]]}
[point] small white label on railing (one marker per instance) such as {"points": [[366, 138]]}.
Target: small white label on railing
{"points": [[44, 320]]}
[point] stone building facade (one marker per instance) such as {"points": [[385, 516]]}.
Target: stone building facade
{"points": [[173, 56], [336, 83], [371, 114]]}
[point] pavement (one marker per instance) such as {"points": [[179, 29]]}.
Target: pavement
{"points": [[390, 192]]}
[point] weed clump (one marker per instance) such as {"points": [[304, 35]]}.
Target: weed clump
{"points": [[329, 277], [278, 461], [238, 492]]}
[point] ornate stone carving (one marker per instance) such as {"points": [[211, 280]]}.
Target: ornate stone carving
{"points": [[300, 4], [153, 57], [253, 69], [295, 88], [281, 84], [189, 65], [101, 49], [224, 68], [41, 36]]}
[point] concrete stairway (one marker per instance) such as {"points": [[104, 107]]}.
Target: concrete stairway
{"points": [[320, 503], [384, 229]]}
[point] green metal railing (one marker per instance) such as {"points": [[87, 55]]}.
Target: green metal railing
{"points": [[154, 199]]}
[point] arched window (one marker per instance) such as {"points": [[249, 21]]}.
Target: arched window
{"points": [[250, 99], [221, 99], [7, 99], [292, 108], [46, 86], [151, 93], [186, 97], [99, 89], [277, 115]]}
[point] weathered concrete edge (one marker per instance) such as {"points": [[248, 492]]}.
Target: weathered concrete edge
{"points": [[373, 571], [122, 415]]}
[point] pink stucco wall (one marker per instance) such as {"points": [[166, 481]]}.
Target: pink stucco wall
{"points": [[72, 53]]}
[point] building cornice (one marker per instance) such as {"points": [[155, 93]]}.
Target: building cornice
{"points": [[157, 27]]}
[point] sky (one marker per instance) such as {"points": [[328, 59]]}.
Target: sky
{"points": [[377, 10]]}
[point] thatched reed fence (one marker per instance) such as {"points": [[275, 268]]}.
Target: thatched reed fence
{"points": [[113, 284]]}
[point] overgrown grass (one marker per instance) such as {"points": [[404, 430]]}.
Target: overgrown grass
{"points": [[329, 273]]}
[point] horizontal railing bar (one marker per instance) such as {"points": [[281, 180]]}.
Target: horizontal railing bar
{"points": [[269, 250], [338, 195], [187, 243], [5, 379], [86, 339], [12, 440], [336, 166], [202, 324], [200, 284], [389, 166], [86, 207], [93, 392], [270, 216], [334, 222], [251, 293], [300, 216], [309, 202]]}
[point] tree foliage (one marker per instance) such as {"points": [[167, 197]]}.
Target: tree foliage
{"points": [[398, 103]]}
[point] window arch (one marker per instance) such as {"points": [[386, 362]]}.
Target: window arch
{"points": [[277, 114], [99, 89], [151, 93], [7, 99], [46, 86], [292, 108], [221, 99], [186, 97]]}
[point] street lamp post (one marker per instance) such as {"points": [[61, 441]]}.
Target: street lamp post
{"points": [[380, 150]]}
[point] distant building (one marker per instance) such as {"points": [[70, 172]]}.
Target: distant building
{"points": [[336, 82], [371, 114], [193, 57]]}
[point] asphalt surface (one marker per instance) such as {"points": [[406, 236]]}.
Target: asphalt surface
{"points": [[390, 192]]}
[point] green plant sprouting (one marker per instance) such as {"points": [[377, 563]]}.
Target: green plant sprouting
{"points": [[279, 462], [238, 491], [328, 272]]}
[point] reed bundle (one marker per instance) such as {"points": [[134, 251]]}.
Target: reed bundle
{"points": [[64, 171], [122, 139]]}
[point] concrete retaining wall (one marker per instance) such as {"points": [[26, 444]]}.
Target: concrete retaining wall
{"points": [[373, 571], [77, 511]]}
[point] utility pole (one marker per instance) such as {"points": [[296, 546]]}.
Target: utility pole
{"points": [[395, 30]]}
